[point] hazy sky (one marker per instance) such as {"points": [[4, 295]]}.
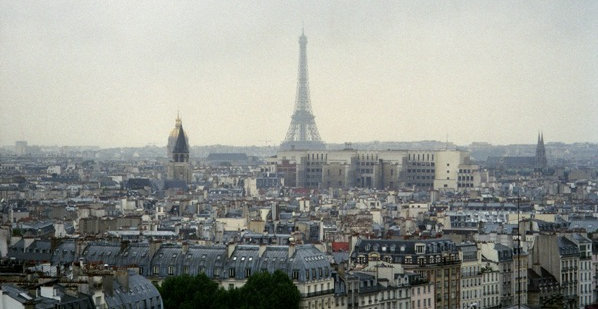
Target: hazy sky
{"points": [[114, 73]]}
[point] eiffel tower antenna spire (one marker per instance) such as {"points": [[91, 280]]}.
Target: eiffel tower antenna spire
{"points": [[302, 133]]}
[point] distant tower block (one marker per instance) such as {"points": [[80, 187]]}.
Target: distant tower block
{"points": [[303, 133], [21, 148]]}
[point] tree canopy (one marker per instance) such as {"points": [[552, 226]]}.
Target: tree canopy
{"points": [[262, 290]]}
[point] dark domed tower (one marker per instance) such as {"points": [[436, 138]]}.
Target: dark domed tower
{"points": [[174, 134], [178, 166], [541, 161]]}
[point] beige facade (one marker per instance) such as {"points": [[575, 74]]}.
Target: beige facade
{"points": [[491, 288]]}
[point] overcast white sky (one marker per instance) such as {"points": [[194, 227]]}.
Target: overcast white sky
{"points": [[114, 73]]}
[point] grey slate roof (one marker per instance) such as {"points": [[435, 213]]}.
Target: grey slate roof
{"points": [[306, 263], [141, 293], [101, 252], [37, 251], [64, 253], [567, 247], [135, 254], [210, 260]]}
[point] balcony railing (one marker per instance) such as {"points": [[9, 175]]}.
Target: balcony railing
{"points": [[319, 293]]}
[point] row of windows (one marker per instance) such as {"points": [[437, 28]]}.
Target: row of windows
{"points": [[368, 157], [421, 157], [470, 294], [471, 282], [418, 170], [420, 177], [426, 303], [421, 163], [318, 156], [493, 289], [361, 259], [316, 287], [490, 301]]}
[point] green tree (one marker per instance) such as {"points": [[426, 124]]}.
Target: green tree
{"points": [[262, 290], [265, 290], [186, 292]]}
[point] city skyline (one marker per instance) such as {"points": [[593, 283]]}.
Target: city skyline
{"points": [[115, 74]]}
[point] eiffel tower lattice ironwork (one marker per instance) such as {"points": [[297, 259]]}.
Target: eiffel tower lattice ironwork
{"points": [[303, 133]]}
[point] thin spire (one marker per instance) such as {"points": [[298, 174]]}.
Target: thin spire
{"points": [[542, 137]]}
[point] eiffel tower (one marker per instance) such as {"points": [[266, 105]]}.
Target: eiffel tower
{"points": [[303, 133]]}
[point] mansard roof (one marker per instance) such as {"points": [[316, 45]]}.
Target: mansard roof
{"points": [[135, 254], [304, 263], [244, 257], [101, 252], [207, 259], [139, 291], [309, 258], [64, 253], [567, 247], [275, 258]]}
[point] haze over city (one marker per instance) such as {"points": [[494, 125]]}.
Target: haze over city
{"points": [[116, 73]]}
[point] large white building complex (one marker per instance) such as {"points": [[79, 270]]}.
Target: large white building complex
{"points": [[388, 169]]}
